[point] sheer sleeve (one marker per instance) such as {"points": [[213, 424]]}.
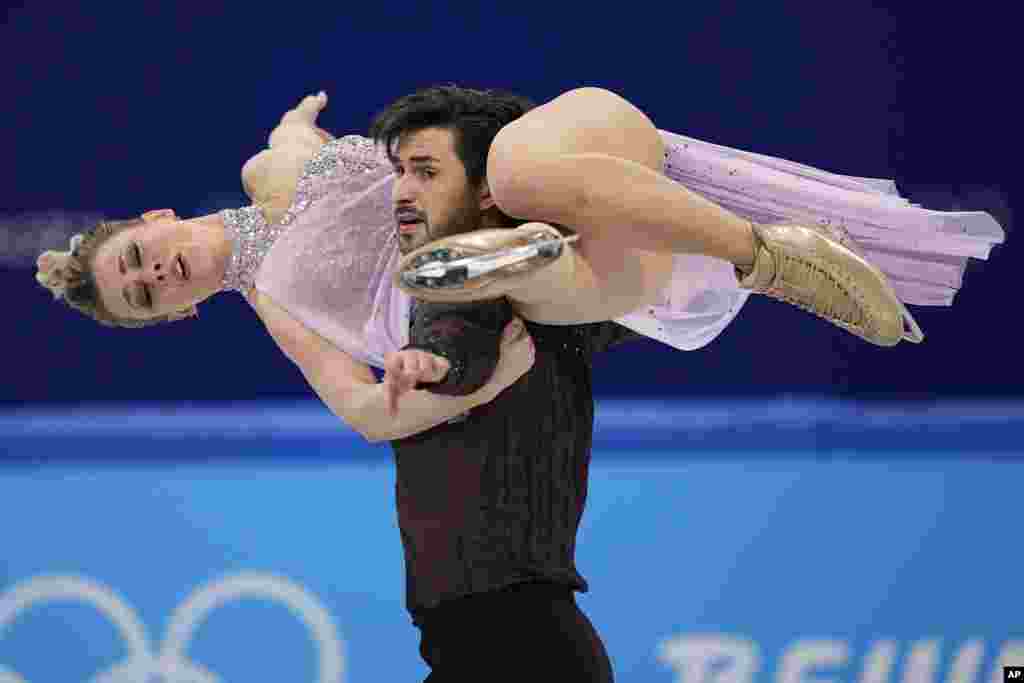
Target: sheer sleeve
{"points": [[467, 335]]}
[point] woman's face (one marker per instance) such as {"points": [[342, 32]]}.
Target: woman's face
{"points": [[162, 266]]}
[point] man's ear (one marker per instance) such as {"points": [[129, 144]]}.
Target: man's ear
{"points": [[159, 214], [486, 200]]}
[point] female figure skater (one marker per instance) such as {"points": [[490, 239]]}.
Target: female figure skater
{"points": [[674, 234]]}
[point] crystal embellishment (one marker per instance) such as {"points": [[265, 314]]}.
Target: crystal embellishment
{"points": [[353, 153], [251, 239]]}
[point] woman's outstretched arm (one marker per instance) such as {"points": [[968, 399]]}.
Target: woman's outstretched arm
{"points": [[351, 391], [270, 177]]}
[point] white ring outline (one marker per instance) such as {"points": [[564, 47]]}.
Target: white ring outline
{"points": [[170, 661]]}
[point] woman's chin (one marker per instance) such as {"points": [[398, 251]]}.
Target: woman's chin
{"points": [[199, 263]]}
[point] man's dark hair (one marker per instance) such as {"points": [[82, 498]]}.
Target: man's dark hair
{"points": [[474, 117]]}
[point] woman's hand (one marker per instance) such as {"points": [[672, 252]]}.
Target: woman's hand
{"points": [[404, 369], [299, 124], [270, 177]]}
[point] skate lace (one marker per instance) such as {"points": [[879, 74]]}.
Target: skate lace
{"points": [[798, 282]]}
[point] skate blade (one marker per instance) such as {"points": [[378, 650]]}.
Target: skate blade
{"points": [[481, 264]]}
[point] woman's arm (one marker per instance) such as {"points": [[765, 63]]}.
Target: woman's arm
{"points": [[352, 392], [270, 177]]}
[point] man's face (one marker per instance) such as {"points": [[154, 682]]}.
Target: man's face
{"points": [[431, 197]]}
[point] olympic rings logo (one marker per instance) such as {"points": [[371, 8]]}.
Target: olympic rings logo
{"points": [[170, 662]]}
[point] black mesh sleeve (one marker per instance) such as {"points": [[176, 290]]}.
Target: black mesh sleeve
{"points": [[467, 335]]}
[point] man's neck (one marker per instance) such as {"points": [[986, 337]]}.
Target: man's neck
{"points": [[494, 219]]}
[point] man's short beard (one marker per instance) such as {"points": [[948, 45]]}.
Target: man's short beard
{"points": [[465, 218]]}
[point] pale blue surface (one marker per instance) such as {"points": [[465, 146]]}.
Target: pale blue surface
{"points": [[775, 548]]}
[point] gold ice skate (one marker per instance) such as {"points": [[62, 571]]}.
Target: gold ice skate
{"points": [[818, 268]]}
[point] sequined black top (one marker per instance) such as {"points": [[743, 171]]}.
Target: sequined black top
{"points": [[495, 498]]}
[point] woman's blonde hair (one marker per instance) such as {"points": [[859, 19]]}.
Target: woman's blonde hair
{"points": [[69, 276]]}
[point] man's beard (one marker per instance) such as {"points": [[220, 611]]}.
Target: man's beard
{"points": [[467, 217]]}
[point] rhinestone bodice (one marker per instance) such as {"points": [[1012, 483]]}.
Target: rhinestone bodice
{"points": [[251, 238]]}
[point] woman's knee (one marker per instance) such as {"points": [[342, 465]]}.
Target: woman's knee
{"points": [[511, 176], [595, 96], [538, 189]]}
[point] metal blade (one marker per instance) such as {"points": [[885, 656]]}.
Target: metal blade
{"points": [[485, 263]]}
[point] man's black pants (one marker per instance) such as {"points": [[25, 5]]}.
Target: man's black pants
{"points": [[531, 632]]}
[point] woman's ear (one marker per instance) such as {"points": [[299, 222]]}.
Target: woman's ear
{"points": [[159, 214]]}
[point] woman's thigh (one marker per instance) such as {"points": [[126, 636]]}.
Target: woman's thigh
{"points": [[581, 121], [603, 283], [526, 162]]}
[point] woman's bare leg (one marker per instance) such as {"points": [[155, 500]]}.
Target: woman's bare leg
{"points": [[592, 161]]}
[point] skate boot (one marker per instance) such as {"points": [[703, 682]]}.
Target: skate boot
{"points": [[819, 268]]}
